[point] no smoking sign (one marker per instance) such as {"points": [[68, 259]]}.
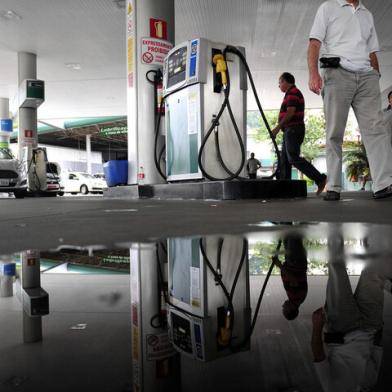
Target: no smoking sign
{"points": [[147, 57], [154, 50]]}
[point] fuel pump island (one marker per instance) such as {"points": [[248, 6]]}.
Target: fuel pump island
{"points": [[200, 128]]}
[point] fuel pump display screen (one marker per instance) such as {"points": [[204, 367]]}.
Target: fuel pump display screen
{"points": [[177, 66]]}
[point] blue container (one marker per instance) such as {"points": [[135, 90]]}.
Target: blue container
{"points": [[8, 269], [116, 172], [6, 125]]}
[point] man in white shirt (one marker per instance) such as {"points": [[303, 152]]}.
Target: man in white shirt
{"points": [[348, 357], [252, 166], [351, 78]]}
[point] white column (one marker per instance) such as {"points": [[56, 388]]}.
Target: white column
{"points": [[27, 69], [140, 93], [4, 108], [5, 123], [88, 152]]}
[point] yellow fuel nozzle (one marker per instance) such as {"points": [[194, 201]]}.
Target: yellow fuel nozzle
{"points": [[221, 67], [224, 336]]}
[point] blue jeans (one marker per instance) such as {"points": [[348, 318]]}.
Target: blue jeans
{"points": [[290, 156]]}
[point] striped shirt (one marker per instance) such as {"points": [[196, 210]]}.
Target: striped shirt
{"points": [[293, 97]]}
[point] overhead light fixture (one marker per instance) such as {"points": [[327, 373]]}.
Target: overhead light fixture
{"points": [[119, 3], [74, 66], [9, 15]]}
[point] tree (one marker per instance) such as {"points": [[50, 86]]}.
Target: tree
{"points": [[314, 135], [256, 122], [356, 161]]}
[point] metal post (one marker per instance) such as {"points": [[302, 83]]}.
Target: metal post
{"points": [[145, 19], [88, 152]]}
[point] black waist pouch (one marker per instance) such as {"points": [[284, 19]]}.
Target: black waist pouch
{"points": [[330, 62], [334, 337]]}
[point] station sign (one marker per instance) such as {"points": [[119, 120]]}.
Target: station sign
{"points": [[114, 130]]}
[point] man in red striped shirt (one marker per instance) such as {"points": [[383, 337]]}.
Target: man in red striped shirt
{"points": [[291, 122]]}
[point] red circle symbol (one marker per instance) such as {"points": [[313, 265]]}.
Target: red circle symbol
{"points": [[147, 57]]}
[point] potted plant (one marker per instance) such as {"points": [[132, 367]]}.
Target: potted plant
{"points": [[357, 164]]}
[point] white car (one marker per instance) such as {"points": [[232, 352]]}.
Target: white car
{"points": [[12, 178], [84, 183]]}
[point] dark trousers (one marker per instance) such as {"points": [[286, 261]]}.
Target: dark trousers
{"points": [[252, 176], [290, 156]]}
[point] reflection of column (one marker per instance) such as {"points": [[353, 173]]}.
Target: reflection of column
{"points": [[155, 364], [27, 69], [88, 153], [34, 299]]}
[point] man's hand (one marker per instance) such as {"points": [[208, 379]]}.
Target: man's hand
{"points": [[315, 83], [318, 319], [275, 131]]}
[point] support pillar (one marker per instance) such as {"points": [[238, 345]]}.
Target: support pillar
{"points": [[88, 153], [27, 133], [145, 19], [5, 123]]}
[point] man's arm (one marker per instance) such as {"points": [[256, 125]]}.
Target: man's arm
{"points": [[315, 81], [374, 61], [318, 320], [289, 115]]}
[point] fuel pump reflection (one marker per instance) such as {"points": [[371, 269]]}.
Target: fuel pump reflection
{"points": [[208, 282], [178, 306]]}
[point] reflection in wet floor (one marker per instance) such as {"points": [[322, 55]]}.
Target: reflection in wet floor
{"points": [[291, 307]]}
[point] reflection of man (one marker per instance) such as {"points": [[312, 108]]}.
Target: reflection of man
{"points": [[293, 273], [252, 166], [352, 325], [351, 79], [387, 112]]}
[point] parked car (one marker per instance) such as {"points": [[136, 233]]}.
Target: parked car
{"points": [[84, 183], [53, 181], [12, 177]]}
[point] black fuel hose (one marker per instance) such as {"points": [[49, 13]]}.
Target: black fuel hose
{"points": [[234, 50], [258, 305], [218, 277], [226, 104]]}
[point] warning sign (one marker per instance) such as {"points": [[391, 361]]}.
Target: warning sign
{"points": [[154, 50], [158, 347]]}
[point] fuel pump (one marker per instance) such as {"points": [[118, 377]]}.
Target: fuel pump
{"points": [[204, 95], [208, 296], [36, 169]]}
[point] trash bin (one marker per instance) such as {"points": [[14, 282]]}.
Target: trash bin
{"points": [[116, 172]]}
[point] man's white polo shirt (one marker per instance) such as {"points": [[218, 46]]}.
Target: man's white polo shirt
{"points": [[347, 33]]}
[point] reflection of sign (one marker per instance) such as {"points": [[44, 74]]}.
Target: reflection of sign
{"points": [[158, 347], [158, 28], [154, 50], [116, 130]]}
